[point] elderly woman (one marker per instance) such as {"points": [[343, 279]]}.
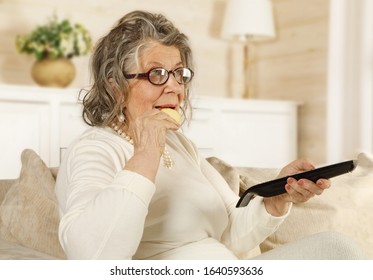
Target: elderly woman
{"points": [[132, 186]]}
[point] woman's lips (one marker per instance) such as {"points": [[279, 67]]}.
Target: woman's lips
{"points": [[160, 107]]}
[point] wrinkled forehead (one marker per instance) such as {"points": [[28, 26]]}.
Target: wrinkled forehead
{"points": [[157, 55]]}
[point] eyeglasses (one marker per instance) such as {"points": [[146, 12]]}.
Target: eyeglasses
{"points": [[159, 76]]}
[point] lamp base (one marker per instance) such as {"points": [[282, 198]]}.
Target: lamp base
{"points": [[248, 92]]}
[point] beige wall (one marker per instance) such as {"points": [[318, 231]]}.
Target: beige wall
{"points": [[294, 67], [291, 67], [200, 20]]}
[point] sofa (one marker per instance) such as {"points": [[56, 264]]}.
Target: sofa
{"points": [[29, 213]]}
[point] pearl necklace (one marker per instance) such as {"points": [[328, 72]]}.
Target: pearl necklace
{"points": [[166, 157]]}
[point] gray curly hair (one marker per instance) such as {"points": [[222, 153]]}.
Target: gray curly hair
{"points": [[117, 52]]}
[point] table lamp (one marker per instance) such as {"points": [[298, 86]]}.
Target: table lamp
{"points": [[247, 21]]}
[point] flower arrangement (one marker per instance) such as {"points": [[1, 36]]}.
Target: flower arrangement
{"points": [[56, 39]]}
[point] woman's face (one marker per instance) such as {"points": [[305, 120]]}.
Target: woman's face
{"points": [[143, 95]]}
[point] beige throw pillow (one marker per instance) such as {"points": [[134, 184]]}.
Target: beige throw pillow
{"points": [[229, 173], [29, 213]]}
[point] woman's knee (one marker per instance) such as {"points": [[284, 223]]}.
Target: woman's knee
{"points": [[339, 246], [319, 246]]}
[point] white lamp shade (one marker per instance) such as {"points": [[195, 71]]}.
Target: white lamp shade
{"points": [[248, 20]]}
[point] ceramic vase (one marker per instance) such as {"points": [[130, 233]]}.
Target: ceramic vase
{"points": [[59, 72]]}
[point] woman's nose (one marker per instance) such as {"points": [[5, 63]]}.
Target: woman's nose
{"points": [[174, 85]]}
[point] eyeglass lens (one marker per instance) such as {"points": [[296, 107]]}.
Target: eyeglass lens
{"points": [[160, 76]]}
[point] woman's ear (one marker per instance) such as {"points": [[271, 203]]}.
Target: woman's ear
{"points": [[118, 96]]}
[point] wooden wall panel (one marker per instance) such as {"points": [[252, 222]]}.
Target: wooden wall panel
{"points": [[293, 66], [200, 20]]}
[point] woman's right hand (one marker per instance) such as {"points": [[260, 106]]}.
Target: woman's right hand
{"points": [[148, 132]]}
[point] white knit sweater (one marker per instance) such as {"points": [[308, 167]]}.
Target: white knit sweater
{"points": [[189, 213]]}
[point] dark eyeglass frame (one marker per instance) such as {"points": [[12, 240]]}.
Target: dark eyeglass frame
{"points": [[147, 75]]}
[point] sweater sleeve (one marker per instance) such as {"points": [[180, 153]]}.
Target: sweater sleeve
{"points": [[103, 207], [248, 226]]}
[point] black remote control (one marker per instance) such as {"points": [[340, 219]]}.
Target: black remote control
{"points": [[277, 186]]}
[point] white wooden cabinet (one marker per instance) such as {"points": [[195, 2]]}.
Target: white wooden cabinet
{"points": [[257, 133], [242, 132], [43, 119]]}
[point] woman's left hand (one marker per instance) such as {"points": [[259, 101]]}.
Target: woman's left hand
{"points": [[296, 190]]}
